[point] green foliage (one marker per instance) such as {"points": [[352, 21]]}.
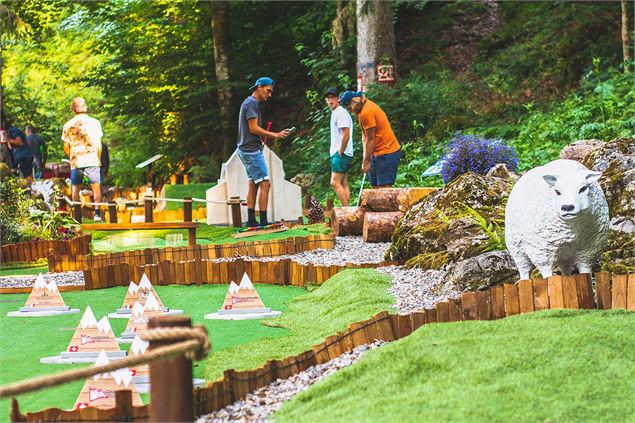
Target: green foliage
{"points": [[602, 109], [494, 229], [559, 365], [54, 225]]}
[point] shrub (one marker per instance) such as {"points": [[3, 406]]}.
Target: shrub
{"points": [[471, 153]]}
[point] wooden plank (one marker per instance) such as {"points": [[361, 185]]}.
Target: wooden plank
{"points": [[497, 298], [556, 298], [618, 297], [603, 290], [570, 292], [333, 346], [483, 306], [443, 312], [468, 306], [419, 319], [431, 315], [358, 335], [585, 291], [541, 294], [630, 292], [512, 305], [454, 307], [526, 296], [404, 326]]}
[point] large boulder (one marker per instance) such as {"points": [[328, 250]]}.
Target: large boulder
{"points": [[616, 160], [481, 272], [578, 150], [452, 224]]}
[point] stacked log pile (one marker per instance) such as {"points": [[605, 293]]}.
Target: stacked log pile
{"points": [[379, 211]]}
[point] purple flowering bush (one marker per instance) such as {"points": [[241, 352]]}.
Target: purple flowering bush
{"points": [[472, 153]]}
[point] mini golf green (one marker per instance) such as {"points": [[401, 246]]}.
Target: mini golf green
{"points": [[25, 340]]}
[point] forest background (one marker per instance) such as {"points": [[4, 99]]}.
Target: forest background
{"points": [[167, 77]]}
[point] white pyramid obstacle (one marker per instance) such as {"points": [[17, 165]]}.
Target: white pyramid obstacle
{"points": [[242, 302], [139, 318], [89, 340], [45, 299], [99, 391], [139, 293]]}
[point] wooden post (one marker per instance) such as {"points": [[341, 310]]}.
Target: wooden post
{"points": [[112, 212], [77, 212], [237, 220], [171, 387], [307, 204], [187, 209], [147, 203]]}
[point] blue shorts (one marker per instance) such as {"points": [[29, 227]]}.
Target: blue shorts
{"points": [[255, 165], [340, 164], [383, 169], [92, 173]]}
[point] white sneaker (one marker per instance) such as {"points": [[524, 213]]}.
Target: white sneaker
{"points": [[97, 218]]}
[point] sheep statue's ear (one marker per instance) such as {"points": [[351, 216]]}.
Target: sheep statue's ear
{"points": [[593, 177], [550, 179]]}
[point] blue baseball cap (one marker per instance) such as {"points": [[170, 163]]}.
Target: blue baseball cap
{"points": [[347, 96], [263, 80], [14, 132]]}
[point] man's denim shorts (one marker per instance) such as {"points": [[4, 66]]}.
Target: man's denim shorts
{"points": [[383, 169], [255, 165], [92, 173]]}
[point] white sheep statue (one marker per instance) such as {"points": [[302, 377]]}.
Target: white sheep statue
{"points": [[556, 215]]}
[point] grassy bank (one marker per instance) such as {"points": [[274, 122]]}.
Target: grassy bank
{"points": [[350, 296], [552, 366]]}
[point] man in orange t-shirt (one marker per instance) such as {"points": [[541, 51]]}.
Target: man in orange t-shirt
{"points": [[382, 151]]}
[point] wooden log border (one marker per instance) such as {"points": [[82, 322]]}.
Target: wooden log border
{"points": [[525, 296], [271, 248], [36, 250]]}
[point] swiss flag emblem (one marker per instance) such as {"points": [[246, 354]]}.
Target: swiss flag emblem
{"points": [[73, 348], [228, 307], [82, 405], [133, 372]]}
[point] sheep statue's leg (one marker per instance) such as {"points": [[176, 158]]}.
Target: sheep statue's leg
{"points": [[584, 267], [523, 263]]}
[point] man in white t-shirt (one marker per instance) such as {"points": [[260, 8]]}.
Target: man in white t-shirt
{"points": [[341, 150], [82, 144]]}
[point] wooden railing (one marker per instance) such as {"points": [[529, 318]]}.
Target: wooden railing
{"points": [[270, 248], [525, 296], [36, 250]]}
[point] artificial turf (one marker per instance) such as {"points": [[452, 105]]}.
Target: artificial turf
{"points": [[26, 340], [560, 365], [182, 191], [350, 296], [113, 241], [31, 268]]}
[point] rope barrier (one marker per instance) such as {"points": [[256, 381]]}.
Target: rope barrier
{"points": [[195, 345]]}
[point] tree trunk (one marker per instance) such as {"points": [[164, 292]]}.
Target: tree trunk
{"points": [[392, 199], [626, 43], [221, 48], [375, 38], [348, 220], [344, 28], [379, 226]]}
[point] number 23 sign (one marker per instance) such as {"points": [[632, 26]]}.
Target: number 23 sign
{"points": [[385, 73]]}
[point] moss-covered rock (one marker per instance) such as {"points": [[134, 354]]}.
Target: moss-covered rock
{"points": [[441, 229], [616, 160], [619, 256]]}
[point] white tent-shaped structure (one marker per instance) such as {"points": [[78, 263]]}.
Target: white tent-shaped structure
{"points": [[285, 198]]}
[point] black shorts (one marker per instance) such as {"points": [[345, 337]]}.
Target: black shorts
{"points": [[383, 169]]}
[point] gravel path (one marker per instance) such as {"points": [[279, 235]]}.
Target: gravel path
{"points": [[66, 278], [262, 403], [347, 249], [416, 289]]}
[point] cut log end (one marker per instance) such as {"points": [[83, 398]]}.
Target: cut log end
{"points": [[379, 226], [348, 220]]}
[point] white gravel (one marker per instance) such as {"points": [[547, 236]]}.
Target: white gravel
{"points": [[416, 289], [262, 403], [27, 281], [347, 249]]}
